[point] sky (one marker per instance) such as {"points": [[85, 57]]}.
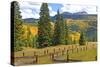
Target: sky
{"points": [[32, 10]]}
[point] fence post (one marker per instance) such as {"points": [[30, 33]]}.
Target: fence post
{"points": [[52, 56], [62, 52], [72, 50], [77, 50], [23, 54], [59, 49], [83, 48], [64, 48], [44, 52], [47, 51], [36, 56], [95, 57], [72, 46], [54, 50], [67, 55], [80, 48], [57, 53]]}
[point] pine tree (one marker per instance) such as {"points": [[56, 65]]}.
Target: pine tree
{"points": [[44, 27], [62, 31], [82, 40], [17, 26], [59, 32], [67, 41]]}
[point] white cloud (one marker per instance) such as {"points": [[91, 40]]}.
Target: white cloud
{"points": [[92, 10], [30, 5], [52, 13], [77, 8], [50, 8], [29, 15], [30, 10]]}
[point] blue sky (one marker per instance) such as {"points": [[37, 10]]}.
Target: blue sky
{"points": [[55, 6], [31, 10]]}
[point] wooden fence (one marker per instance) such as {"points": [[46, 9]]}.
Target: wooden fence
{"points": [[58, 52]]}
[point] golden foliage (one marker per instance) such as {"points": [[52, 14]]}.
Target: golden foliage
{"points": [[81, 23], [75, 36], [33, 30]]}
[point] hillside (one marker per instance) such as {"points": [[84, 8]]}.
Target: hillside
{"points": [[89, 27]]}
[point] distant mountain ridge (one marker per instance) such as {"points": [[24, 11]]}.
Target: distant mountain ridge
{"points": [[77, 15], [66, 15], [30, 20]]}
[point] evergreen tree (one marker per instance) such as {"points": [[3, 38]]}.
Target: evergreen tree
{"points": [[59, 32], [17, 26], [44, 27], [82, 40], [62, 31], [67, 41]]}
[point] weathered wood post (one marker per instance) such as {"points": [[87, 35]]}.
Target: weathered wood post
{"points": [[36, 56], [72, 46], [77, 50], [80, 48], [57, 54], [23, 54], [44, 52], [95, 57], [62, 52], [84, 48], [64, 48], [67, 55], [54, 50], [52, 56], [59, 49], [47, 51], [72, 50]]}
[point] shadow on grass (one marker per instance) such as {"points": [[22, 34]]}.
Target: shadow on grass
{"points": [[74, 60], [68, 60]]}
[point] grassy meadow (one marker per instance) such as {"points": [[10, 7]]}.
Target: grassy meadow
{"points": [[74, 55]]}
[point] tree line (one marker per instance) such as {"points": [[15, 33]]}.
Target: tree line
{"points": [[60, 34]]}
